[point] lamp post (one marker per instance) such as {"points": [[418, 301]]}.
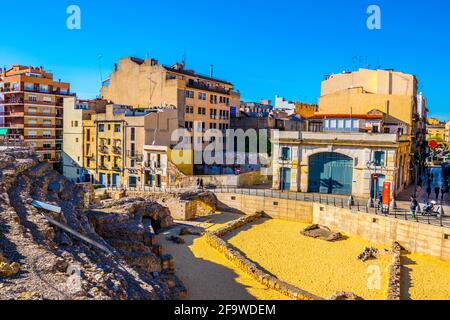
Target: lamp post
{"points": [[371, 199], [374, 180]]}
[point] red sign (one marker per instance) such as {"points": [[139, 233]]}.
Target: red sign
{"points": [[386, 194], [433, 144]]}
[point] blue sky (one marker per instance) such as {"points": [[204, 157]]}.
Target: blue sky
{"points": [[265, 48]]}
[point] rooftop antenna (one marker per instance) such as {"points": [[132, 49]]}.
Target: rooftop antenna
{"points": [[100, 67], [183, 58]]}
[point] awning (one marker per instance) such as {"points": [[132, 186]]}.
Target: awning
{"points": [[3, 132]]}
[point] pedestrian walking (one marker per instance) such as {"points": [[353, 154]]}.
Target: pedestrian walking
{"points": [[437, 190], [414, 205]]}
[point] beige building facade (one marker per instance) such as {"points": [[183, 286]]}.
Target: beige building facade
{"points": [[344, 163], [114, 140], [359, 92], [31, 107], [73, 157], [148, 84]]}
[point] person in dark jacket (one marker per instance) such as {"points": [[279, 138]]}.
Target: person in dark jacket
{"points": [[429, 192], [437, 190]]}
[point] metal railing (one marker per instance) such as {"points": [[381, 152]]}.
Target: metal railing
{"points": [[355, 205]]}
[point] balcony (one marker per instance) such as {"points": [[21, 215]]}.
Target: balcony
{"points": [[41, 125], [39, 138], [334, 137], [117, 151], [11, 114], [103, 149], [117, 169], [103, 167], [134, 155], [201, 86], [12, 101], [12, 125], [36, 90], [36, 114]]}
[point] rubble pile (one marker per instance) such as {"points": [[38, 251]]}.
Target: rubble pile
{"points": [[321, 232], [367, 254], [338, 296], [40, 261]]}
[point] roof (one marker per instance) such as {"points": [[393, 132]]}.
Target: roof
{"points": [[194, 74], [346, 116]]}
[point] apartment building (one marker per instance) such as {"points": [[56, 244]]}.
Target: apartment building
{"points": [[75, 111], [359, 92], [31, 107], [113, 142]]}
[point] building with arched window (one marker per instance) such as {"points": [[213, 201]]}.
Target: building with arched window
{"points": [[343, 163]]}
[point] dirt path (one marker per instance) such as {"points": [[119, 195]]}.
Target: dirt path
{"points": [[206, 273]]}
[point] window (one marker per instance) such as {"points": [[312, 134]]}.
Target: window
{"points": [[101, 128], [379, 158], [29, 86], [32, 98], [285, 153], [189, 109], [189, 125], [117, 128], [202, 111], [133, 134], [43, 88], [201, 96], [213, 99]]}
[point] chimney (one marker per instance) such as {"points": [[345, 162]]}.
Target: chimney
{"points": [[211, 71]]}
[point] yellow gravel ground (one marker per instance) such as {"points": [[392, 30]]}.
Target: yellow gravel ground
{"points": [[206, 273], [425, 278], [319, 267]]}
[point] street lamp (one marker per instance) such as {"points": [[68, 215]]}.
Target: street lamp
{"points": [[374, 181]]}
